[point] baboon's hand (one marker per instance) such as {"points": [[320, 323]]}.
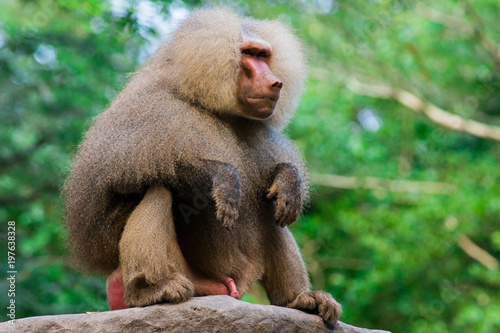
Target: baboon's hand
{"points": [[227, 195], [318, 302], [286, 190]]}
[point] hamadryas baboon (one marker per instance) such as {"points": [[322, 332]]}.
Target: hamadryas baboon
{"points": [[185, 186]]}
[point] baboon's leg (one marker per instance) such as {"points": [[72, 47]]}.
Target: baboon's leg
{"points": [[154, 269], [287, 284]]}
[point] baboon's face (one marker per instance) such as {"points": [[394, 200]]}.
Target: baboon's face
{"points": [[259, 89]]}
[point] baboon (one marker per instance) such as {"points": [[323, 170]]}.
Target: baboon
{"points": [[184, 186]]}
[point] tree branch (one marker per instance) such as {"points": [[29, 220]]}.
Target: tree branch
{"points": [[433, 112], [381, 184], [450, 21], [477, 253]]}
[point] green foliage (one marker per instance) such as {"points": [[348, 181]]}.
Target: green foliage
{"points": [[393, 259]]}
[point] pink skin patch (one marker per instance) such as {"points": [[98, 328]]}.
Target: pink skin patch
{"points": [[231, 287], [114, 288]]}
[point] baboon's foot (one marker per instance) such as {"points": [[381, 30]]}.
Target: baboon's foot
{"points": [[318, 302], [174, 289]]}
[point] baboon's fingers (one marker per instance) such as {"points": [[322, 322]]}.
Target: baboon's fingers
{"points": [[320, 302], [287, 210], [329, 309], [227, 213], [273, 191], [227, 204]]}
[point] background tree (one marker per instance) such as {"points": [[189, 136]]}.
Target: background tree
{"points": [[398, 125]]}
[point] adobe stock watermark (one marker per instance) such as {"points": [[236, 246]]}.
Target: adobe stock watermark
{"points": [[201, 200], [11, 271]]}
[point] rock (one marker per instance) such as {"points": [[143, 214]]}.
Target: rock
{"points": [[200, 314]]}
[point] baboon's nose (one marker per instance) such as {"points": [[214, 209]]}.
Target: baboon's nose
{"points": [[277, 84]]}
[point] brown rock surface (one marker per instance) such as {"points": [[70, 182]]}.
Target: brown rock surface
{"points": [[200, 314]]}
